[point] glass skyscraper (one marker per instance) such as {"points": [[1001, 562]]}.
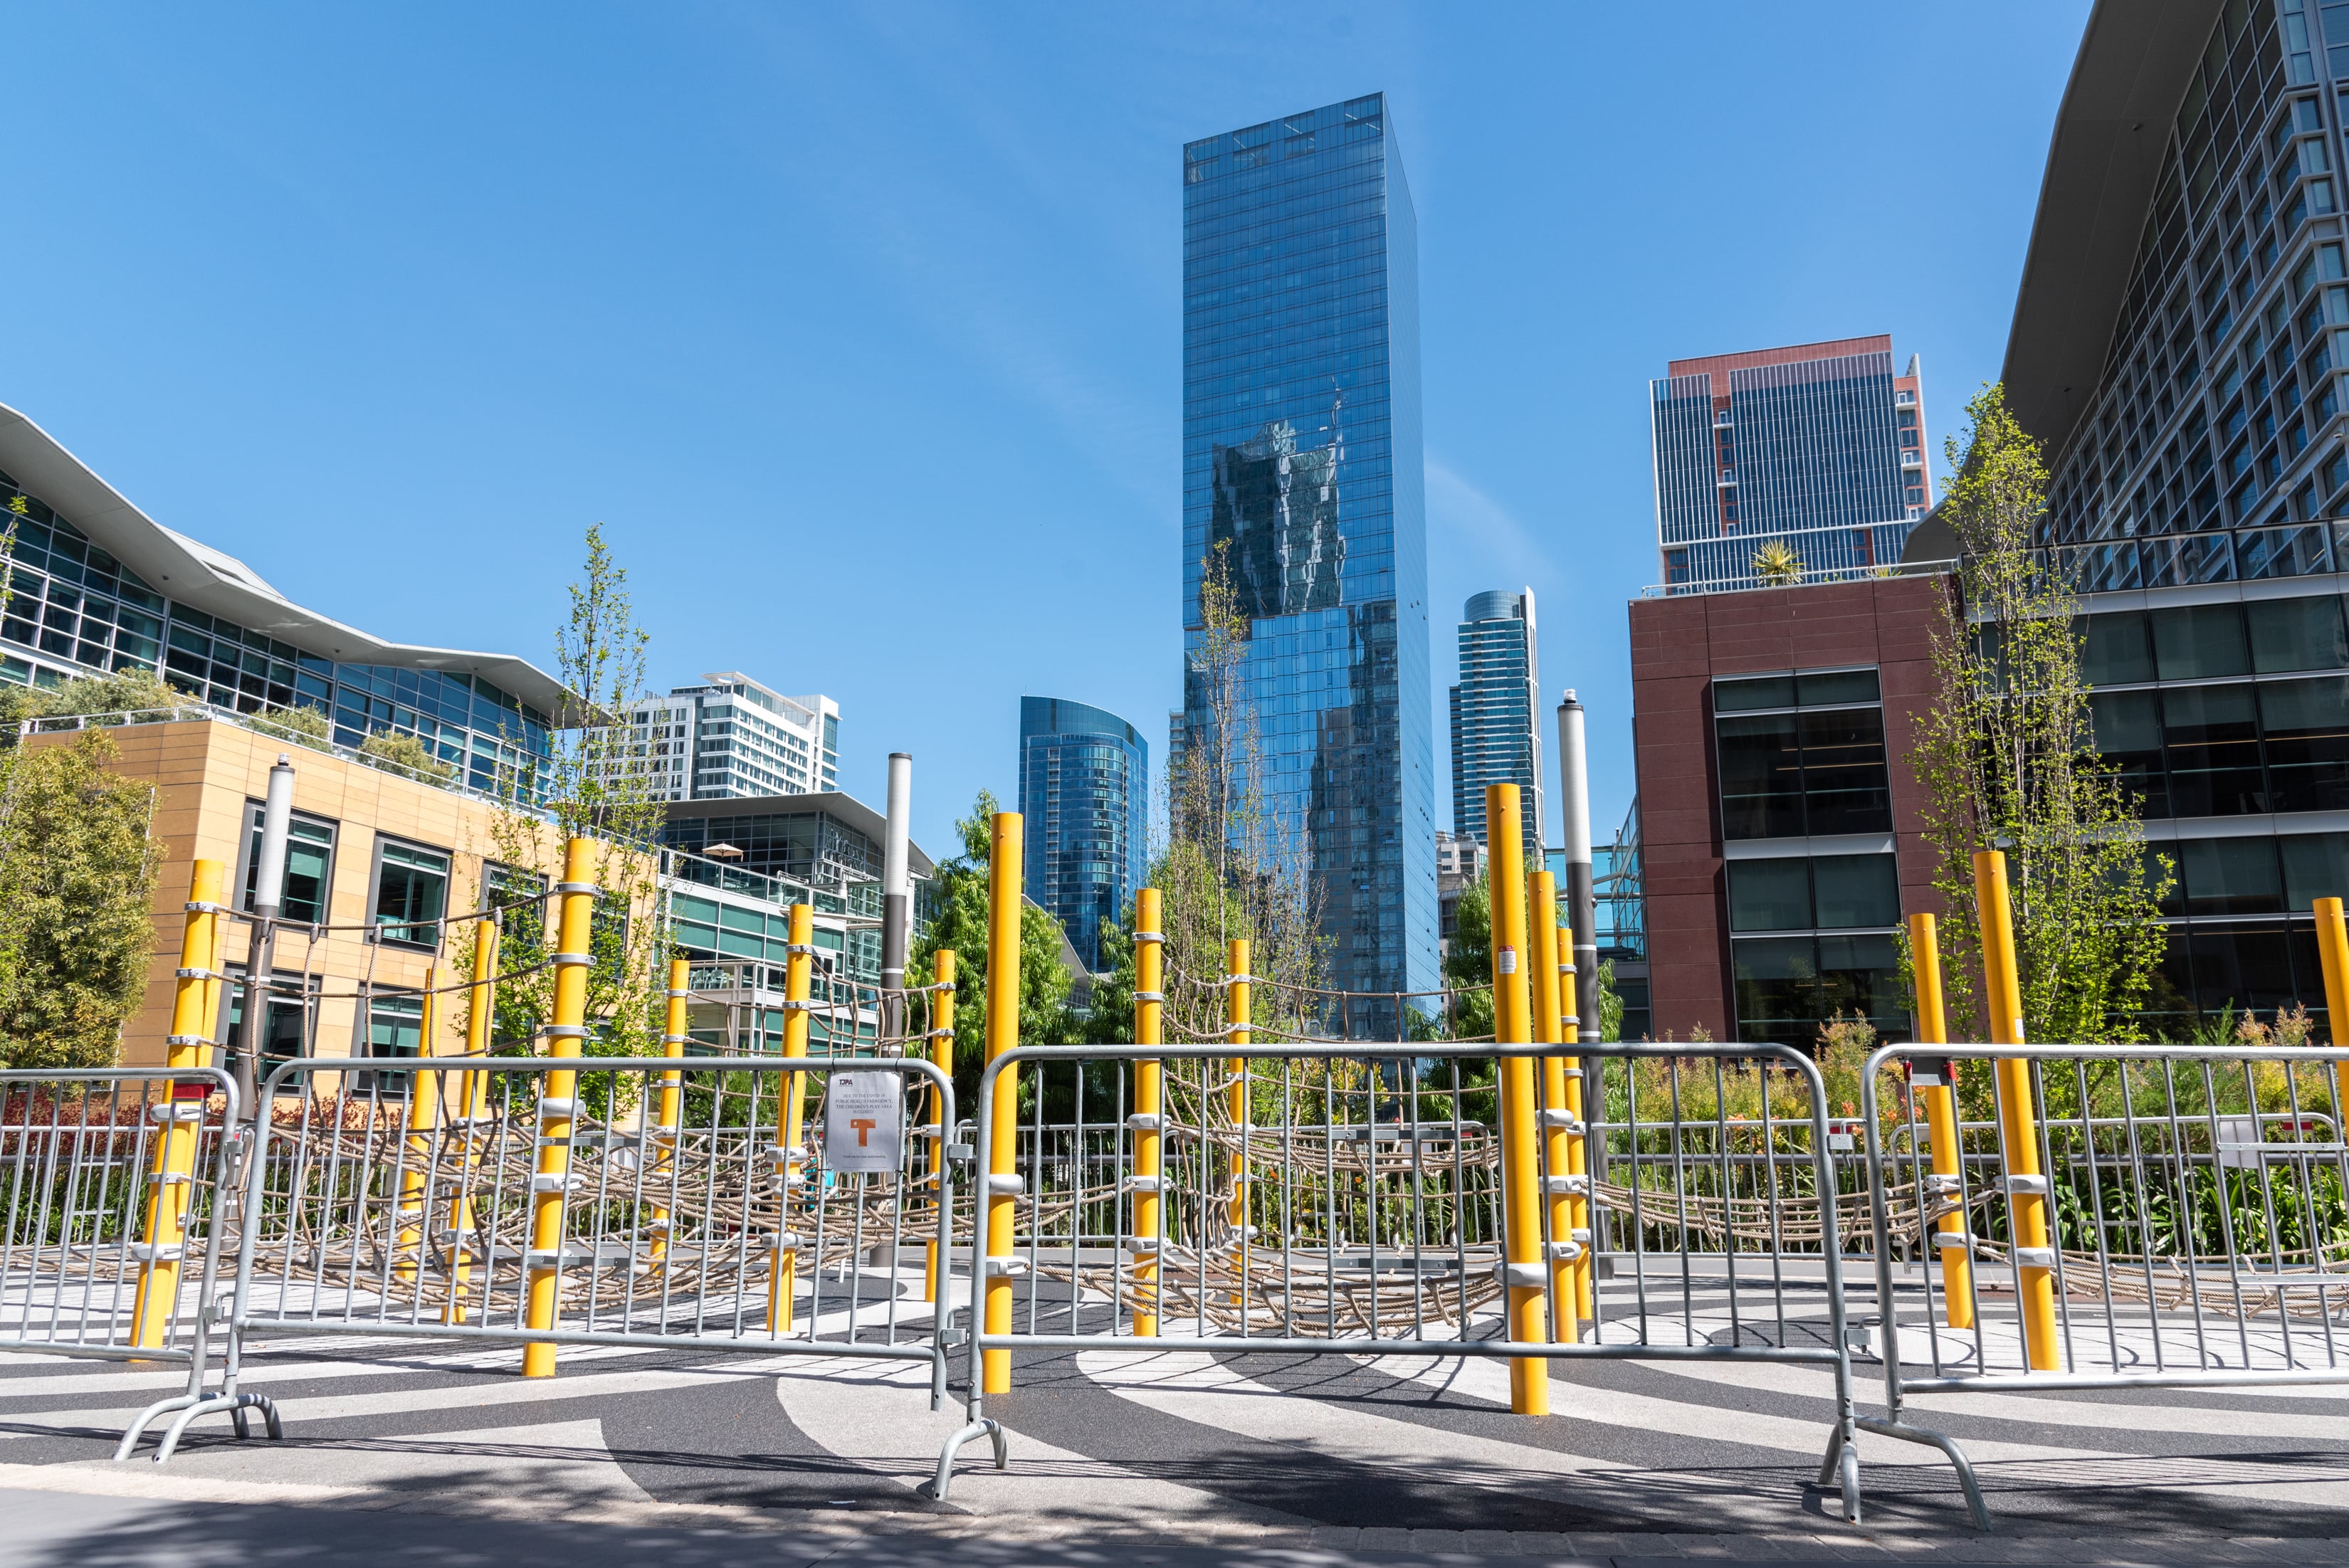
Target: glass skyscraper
{"points": [[1495, 734], [1819, 447], [1084, 789], [1301, 458]]}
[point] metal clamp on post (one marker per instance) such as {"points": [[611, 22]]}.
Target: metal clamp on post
{"points": [[205, 906], [588, 888], [1953, 1240], [1004, 1268], [676, 1039], [147, 1253], [569, 961], [959, 1155], [673, 994], [783, 1241], [1572, 1186], [1144, 1184], [788, 1006], [939, 1034], [1148, 936], [189, 1040], [1566, 1251], [1006, 1184], [1145, 1121], [556, 1105], [2029, 1186], [1240, 980], [810, 948], [1139, 1244], [2034, 1257], [1563, 1121], [1522, 1277], [564, 1031], [1150, 995], [200, 975]]}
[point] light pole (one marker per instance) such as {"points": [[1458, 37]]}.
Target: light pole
{"points": [[268, 895]]}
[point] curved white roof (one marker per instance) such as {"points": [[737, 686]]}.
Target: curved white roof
{"points": [[195, 574]]}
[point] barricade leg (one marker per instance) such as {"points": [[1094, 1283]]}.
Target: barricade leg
{"points": [[1521, 1181], [1147, 1122], [2018, 1124], [557, 1107], [172, 1178], [1955, 1255]]}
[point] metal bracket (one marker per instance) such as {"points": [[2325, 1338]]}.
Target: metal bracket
{"points": [[2032, 1186], [1006, 1184], [570, 960], [1145, 1121], [564, 1031], [1150, 995], [2034, 1257], [589, 888], [204, 906], [1147, 937], [1522, 1277]]}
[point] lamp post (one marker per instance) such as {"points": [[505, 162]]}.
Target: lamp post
{"points": [[268, 896]]}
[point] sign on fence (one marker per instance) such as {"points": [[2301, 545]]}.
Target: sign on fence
{"points": [[865, 1122]]}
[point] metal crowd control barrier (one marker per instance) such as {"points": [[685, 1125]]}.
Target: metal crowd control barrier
{"points": [[2123, 1217], [1350, 1199], [707, 1202], [118, 1179]]}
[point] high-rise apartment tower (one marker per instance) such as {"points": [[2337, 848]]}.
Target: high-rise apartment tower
{"points": [[1084, 789], [1812, 458], [1303, 481], [1496, 736], [732, 737]]}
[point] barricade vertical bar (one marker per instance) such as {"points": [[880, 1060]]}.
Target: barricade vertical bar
{"points": [[423, 1129], [799, 972], [1149, 1109], [557, 1108], [1236, 1016], [1512, 1023], [156, 1306], [998, 1184], [660, 1156], [468, 1097], [942, 1041], [1549, 1030], [2026, 1183], [1956, 1256]]}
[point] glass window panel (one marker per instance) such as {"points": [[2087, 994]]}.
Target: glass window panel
{"points": [[2298, 634], [2117, 650], [2197, 642], [1742, 695], [2128, 734], [2230, 876], [1836, 686], [411, 891], [1770, 895], [1777, 988], [2315, 865], [1861, 974], [2242, 966], [2306, 726], [1844, 786], [1760, 777], [1856, 890], [2211, 738], [309, 860]]}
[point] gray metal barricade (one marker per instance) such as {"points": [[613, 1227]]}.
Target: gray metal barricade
{"points": [[2197, 1232], [404, 1200], [1345, 1198]]}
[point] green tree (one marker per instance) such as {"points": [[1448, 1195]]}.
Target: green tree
{"points": [[1468, 961], [405, 756], [2008, 758], [124, 691], [78, 868], [961, 925]]}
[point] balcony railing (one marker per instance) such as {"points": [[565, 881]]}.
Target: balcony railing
{"points": [[1746, 583]]}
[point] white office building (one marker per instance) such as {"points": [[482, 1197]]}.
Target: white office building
{"points": [[731, 736]]}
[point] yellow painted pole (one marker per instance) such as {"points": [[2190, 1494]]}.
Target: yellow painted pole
{"points": [[172, 1185], [1149, 1009], [942, 1025], [1237, 1016], [1549, 1029], [1577, 1140], [1941, 1120], [2333, 953], [423, 1124], [660, 1151], [557, 1105], [466, 1099], [1002, 1035], [2019, 1122], [1513, 1024], [798, 981]]}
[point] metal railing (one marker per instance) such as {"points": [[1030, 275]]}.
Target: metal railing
{"points": [[2121, 1217], [1748, 582], [1350, 1199]]}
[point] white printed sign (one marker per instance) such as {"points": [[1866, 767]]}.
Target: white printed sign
{"points": [[863, 1121]]}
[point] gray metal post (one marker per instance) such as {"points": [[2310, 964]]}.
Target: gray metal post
{"points": [[897, 891], [268, 896], [1582, 911]]}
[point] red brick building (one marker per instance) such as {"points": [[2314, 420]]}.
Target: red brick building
{"points": [[1779, 809]]}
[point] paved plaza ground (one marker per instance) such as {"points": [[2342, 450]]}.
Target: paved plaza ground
{"points": [[432, 1453]]}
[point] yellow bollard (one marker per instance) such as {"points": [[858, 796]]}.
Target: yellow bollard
{"points": [[466, 1096], [557, 1108], [660, 1149], [1941, 1120], [1513, 1024], [1549, 1029], [1149, 1007], [1237, 1016], [2019, 1123], [423, 1125], [1002, 1035], [172, 1185], [942, 1011], [2332, 953], [799, 982], [1578, 1143]]}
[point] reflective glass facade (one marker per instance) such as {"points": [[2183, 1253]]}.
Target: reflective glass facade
{"points": [[1495, 733], [1085, 789], [1301, 454], [74, 609], [1821, 447]]}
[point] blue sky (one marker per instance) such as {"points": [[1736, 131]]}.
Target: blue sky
{"points": [[859, 328]]}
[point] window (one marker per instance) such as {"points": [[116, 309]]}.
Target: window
{"points": [[2115, 650], [309, 865], [411, 891], [2199, 641], [2213, 742], [2298, 634], [395, 1028], [2306, 724], [1835, 892], [1816, 770]]}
